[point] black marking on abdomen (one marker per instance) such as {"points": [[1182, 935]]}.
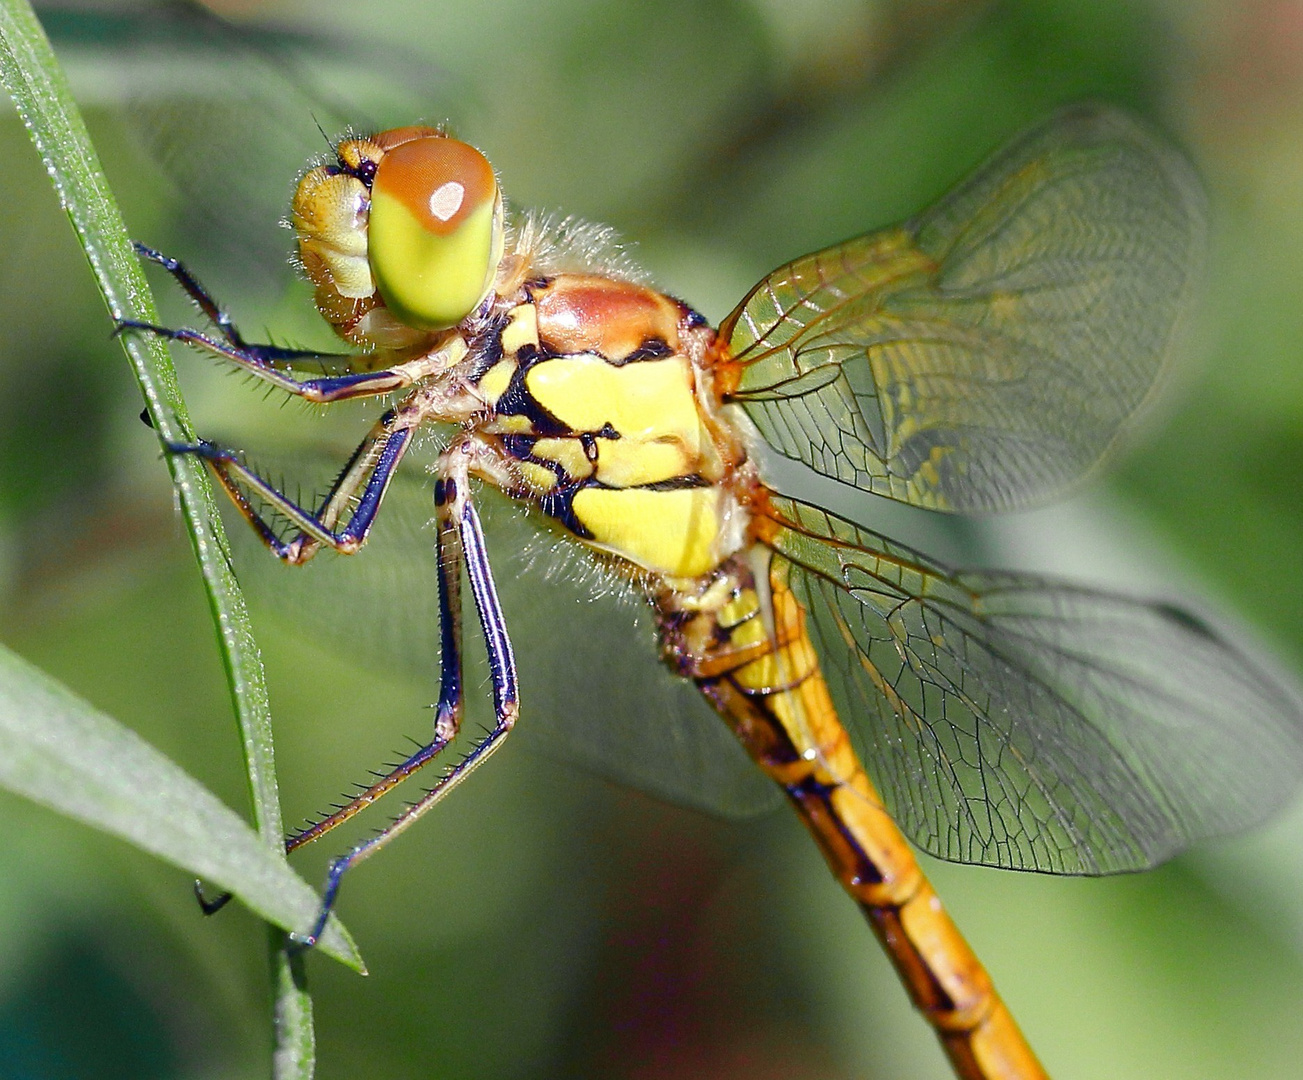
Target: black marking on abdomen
{"points": [[810, 790]]}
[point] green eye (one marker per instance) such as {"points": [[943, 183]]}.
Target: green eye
{"points": [[435, 231]]}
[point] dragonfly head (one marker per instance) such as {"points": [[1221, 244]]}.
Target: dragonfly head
{"points": [[403, 237]]}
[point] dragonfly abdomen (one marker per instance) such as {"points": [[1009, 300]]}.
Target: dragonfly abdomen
{"points": [[742, 639]]}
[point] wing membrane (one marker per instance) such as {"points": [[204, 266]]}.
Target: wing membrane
{"points": [[1020, 722], [984, 354]]}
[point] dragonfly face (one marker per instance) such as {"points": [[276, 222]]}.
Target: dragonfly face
{"points": [[977, 357]]}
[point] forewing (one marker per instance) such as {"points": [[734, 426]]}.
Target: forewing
{"points": [[1020, 722], [593, 690], [984, 354]]}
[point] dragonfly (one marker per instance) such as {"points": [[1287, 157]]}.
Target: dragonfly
{"points": [[983, 355]]}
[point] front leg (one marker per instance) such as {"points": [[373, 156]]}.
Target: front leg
{"points": [[272, 363]]}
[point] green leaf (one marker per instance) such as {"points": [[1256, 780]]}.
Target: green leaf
{"points": [[57, 750]]}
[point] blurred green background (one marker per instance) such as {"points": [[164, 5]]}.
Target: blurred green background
{"points": [[545, 922]]}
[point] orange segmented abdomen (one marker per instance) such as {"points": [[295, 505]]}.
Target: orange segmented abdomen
{"points": [[757, 666]]}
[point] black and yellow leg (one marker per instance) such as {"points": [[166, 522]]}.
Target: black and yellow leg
{"points": [[272, 363], [461, 543]]}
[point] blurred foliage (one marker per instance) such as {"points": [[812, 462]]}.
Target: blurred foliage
{"points": [[543, 922]]}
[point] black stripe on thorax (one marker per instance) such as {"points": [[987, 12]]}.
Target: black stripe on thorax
{"points": [[651, 349], [486, 347], [673, 483], [516, 400], [559, 503]]}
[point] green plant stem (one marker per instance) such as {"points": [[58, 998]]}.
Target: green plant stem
{"points": [[38, 87]]}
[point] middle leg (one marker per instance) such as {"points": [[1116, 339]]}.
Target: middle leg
{"points": [[361, 486]]}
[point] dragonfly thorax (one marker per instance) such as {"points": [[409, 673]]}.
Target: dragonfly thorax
{"points": [[601, 405]]}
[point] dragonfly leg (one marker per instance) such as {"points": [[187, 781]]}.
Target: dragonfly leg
{"points": [[210, 905], [448, 712], [359, 488], [461, 542], [217, 315], [271, 363]]}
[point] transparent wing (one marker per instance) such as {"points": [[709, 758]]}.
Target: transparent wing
{"points": [[985, 353], [1019, 722], [593, 689]]}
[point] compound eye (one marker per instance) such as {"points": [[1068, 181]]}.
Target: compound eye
{"points": [[435, 231]]}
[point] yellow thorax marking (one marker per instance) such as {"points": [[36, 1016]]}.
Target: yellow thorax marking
{"points": [[511, 425], [568, 453], [521, 328], [642, 400], [650, 405], [494, 382], [538, 477], [625, 463], [668, 532]]}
